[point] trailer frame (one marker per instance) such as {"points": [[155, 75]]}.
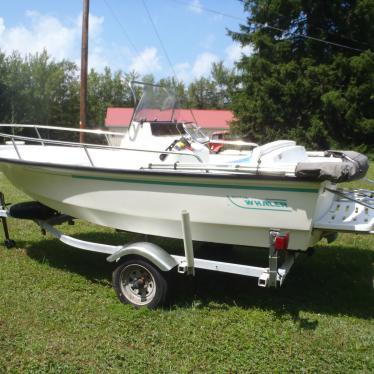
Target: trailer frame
{"points": [[273, 275]]}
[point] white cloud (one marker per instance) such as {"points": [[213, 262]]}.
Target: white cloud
{"points": [[45, 32], [147, 61], [97, 58], [235, 51], [183, 71], [2, 26], [203, 64], [61, 40], [201, 67], [195, 6], [95, 25]]}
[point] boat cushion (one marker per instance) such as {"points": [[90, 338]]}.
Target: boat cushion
{"points": [[351, 166]]}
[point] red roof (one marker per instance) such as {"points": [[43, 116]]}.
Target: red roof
{"points": [[118, 117], [205, 118]]}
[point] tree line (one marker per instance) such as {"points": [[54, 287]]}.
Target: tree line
{"points": [[39, 90]]}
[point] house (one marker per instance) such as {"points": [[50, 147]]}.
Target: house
{"points": [[118, 119]]}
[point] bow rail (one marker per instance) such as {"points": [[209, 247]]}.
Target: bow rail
{"points": [[13, 138]]}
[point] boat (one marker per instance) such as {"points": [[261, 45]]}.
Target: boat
{"points": [[163, 167]]}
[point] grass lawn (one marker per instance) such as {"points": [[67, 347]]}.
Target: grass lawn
{"points": [[59, 313]]}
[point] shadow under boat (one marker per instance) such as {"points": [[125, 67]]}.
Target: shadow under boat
{"points": [[336, 280]]}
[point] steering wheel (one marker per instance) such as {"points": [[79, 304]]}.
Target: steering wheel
{"points": [[178, 144]]}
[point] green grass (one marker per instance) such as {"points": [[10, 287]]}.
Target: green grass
{"points": [[59, 313]]}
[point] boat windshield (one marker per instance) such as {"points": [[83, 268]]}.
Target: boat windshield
{"points": [[156, 104]]}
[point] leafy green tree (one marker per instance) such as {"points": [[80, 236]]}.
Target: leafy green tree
{"points": [[52, 91], [224, 80], [38, 90], [106, 90], [4, 94], [202, 94], [16, 80], [178, 88], [212, 92], [293, 86], [63, 87]]}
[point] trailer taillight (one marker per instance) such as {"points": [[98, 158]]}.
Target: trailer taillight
{"points": [[281, 241]]}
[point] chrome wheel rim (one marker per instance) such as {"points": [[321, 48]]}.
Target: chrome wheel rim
{"points": [[138, 284]]}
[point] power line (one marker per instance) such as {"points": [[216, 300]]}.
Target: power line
{"points": [[309, 37], [210, 10], [137, 54], [266, 25], [159, 39]]}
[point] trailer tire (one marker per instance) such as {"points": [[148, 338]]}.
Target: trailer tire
{"points": [[139, 283]]}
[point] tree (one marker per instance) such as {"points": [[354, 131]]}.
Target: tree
{"points": [[320, 94], [52, 93], [64, 90], [16, 79], [224, 80], [202, 94], [106, 90], [177, 87], [4, 88], [38, 90]]}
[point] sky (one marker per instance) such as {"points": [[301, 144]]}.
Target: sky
{"points": [[122, 36]]}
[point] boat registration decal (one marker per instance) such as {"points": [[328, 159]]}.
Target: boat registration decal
{"points": [[246, 202]]}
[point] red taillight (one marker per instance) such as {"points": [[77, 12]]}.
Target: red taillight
{"points": [[281, 242]]}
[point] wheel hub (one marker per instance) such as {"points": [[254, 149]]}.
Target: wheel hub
{"points": [[138, 284]]}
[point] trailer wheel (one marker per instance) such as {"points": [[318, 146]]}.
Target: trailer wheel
{"points": [[139, 283]]}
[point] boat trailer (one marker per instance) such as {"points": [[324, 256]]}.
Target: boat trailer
{"points": [[139, 275]]}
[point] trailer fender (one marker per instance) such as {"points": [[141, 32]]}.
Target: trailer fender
{"points": [[151, 252]]}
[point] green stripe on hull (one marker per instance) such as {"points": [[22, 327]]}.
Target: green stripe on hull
{"points": [[190, 184]]}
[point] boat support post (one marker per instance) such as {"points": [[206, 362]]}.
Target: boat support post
{"points": [[8, 242], [187, 266]]}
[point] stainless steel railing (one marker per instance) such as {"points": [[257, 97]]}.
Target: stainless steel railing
{"points": [[85, 146]]}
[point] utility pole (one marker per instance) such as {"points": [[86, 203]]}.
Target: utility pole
{"points": [[84, 61]]}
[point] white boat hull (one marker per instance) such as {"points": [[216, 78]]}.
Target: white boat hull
{"points": [[229, 209]]}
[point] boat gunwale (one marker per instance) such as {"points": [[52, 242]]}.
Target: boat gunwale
{"points": [[176, 173]]}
